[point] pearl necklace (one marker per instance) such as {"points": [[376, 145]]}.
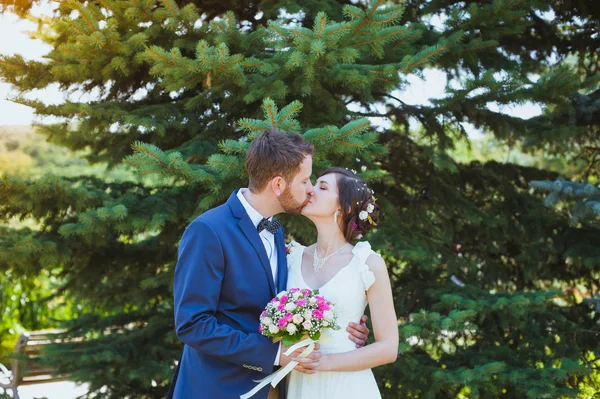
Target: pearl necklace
{"points": [[319, 263]]}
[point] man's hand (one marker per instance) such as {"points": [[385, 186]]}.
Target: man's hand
{"points": [[359, 332], [307, 365]]}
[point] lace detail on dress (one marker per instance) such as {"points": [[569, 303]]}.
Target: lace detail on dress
{"points": [[362, 250], [294, 250]]}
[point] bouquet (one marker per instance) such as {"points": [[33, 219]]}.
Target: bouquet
{"points": [[295, 314], [297, 317]]}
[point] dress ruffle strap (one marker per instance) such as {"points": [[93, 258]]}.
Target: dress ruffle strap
{"points": [[362, 251]]}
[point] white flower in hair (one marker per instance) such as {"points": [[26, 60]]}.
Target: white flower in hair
{"points": [[370, 208], [363, 215]]}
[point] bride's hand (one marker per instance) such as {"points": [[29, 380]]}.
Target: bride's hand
{"points": [[307, 365], [324, 364]]}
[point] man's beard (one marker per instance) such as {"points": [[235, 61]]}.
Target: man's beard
{"points": [[289, 204]]}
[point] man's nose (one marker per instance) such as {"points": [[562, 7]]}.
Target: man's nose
{"points": [[310, 190]]}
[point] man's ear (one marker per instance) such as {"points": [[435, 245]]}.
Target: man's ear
{"points": [[278, 185]]}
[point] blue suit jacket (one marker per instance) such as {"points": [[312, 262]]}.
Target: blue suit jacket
{"points": [[223, 281]]}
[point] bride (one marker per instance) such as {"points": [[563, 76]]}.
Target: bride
{"points": [[343, 209]]}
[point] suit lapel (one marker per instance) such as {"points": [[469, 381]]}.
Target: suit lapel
{"points": [[282, 267], [245, 224]]}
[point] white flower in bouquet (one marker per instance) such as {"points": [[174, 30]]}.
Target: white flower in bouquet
{"points": [[307, 315], [307, 325], [312, 301], [291, 328], [328, 315], [273, 329], [267, 321], [297, 319], [290, 306]]}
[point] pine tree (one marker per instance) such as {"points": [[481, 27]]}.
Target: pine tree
{"points": [[483, 274], [587, 197]]}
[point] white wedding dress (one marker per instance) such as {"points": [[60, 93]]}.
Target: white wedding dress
{"points": [[347, 290]]}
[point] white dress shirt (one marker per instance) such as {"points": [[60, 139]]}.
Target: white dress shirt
{"points": [[268, 240]]}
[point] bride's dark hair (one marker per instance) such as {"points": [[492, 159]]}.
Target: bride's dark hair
{"points": [[354, 197]]}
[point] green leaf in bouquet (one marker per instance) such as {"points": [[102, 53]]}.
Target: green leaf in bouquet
{"points": [[289, 340]]}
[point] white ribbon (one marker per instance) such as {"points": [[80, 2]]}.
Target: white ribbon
{"points": [[280, 374]]}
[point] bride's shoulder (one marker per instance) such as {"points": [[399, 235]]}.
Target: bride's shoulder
{"points": [[294, 246], [370, 262], [372, 259], [364, 251], [293, 250]]}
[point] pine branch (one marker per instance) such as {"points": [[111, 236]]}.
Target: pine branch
{"points": [[587, 196]]}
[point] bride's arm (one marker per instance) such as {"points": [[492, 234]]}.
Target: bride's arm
{"points": [[385, 328]]}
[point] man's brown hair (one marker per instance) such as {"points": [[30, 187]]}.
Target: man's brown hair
{"points": [[275, 153]]}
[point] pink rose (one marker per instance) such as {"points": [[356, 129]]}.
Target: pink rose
{"points": [[281, 306], [306, 292], [323, 306], [282, 323], [260, 329], [301, 302], [317, 314], [289, 317], [293, 290], [283, 299]]}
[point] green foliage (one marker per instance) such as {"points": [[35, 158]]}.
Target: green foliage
{"points": [[587, 196], [28, 296]]}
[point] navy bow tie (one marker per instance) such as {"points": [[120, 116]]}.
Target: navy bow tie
{"points": [[271, 226]]}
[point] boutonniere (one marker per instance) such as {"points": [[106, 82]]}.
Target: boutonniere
{"points": [[288, 244]]}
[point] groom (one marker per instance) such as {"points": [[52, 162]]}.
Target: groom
{"points": [[232, 261]]}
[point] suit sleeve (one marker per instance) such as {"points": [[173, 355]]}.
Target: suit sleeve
{"points": [[197, 288]]}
